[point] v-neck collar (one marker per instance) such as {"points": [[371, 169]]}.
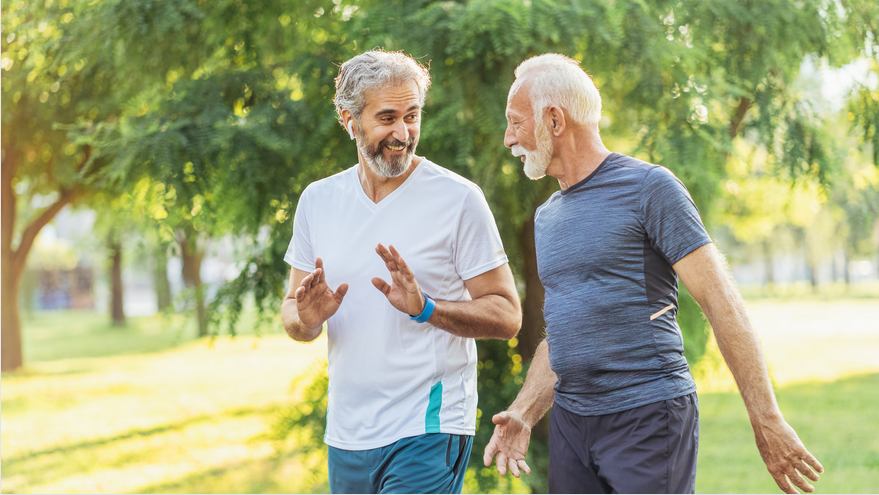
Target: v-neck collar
{"points": [[390, 197]]}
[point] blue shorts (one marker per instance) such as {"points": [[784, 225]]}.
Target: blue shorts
{"points": [[429, 463], [648, 449]]}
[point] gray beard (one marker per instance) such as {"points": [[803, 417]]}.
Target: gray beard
{"points": [[376, 161], [384, 168], [537, 161]]}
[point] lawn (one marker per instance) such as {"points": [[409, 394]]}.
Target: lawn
{"points": [[150, 409]]}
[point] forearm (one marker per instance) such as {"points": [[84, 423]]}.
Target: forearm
{"points": [[742, 352], [725, 310], [491, 316], [294, 327], [538, 392]]}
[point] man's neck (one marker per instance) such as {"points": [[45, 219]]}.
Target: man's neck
{"points": [[378, 188], [577, 157]]}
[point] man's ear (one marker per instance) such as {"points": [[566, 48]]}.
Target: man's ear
{"points": [[556, 120], [347, 121]]}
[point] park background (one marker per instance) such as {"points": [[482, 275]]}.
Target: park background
{"points": [[154, 151]]}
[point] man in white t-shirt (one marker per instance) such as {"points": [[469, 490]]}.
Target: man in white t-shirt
{"points": [[420, 272]]}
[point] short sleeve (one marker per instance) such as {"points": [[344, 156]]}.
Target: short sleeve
{"points": [[299, 252], [670, 217], [478, 246]]}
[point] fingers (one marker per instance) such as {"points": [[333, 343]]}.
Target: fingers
{"points": [[502, 463], [319, 265], [806, 470], [524, 466], [490, 451], [401, 263], [387, 257], [783, 483], [809, 459], [513, 466], [798, 480]]}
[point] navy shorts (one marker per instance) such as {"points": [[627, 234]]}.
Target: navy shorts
{"points": [[648, 449], [429, 463]]}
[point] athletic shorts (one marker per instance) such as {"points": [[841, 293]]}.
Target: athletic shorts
{"points": [[429, 463], [648, 449]]}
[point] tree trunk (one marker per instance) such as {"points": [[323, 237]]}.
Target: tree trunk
{"points": [[15, 260], [117, 307], [192, 256], [160, 279], [11, 319], [533, 325], [11, 270]]}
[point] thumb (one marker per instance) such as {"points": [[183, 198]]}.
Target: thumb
{"points": [[501, 418], [381, 285], [340, 292]]}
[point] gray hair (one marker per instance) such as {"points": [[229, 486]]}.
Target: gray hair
{"points": [[559, 80], [372, 70]]}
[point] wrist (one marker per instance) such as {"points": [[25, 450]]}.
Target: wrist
{"points": [[426, 312]]}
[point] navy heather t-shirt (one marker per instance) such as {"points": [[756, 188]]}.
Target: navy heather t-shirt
{"points": [[605, 247]]}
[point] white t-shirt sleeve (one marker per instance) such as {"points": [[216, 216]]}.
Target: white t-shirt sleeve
{"points": [[478, 246], [299, 253]]}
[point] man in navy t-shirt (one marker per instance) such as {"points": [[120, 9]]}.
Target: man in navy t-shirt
{"points": [[610, 246]]}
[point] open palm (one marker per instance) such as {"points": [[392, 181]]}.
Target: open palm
{"points": [[315, 301]]}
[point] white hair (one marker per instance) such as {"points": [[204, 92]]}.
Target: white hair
{"points": [[373, 70], [559, 80]]}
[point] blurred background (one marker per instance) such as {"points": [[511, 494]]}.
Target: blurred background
{"points": [[153, 153]]}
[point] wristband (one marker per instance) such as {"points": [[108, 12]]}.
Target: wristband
{"points": [[429, 305]]}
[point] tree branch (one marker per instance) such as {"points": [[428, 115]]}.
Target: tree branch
{"points": [[30, 232], [736, 123]]}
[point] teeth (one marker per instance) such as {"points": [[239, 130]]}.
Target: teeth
{"points": [[395, 148]]}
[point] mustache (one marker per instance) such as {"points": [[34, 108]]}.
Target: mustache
{"points": [[409, 144], [518, 150]]}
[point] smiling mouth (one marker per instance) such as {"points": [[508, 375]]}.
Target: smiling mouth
{"points": [[394, 148]]}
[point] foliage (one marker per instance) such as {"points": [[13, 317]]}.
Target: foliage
{"points": [[224, 108]]}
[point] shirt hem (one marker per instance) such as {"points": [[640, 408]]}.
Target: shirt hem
{"points": [[406, 434], [599, 411]]}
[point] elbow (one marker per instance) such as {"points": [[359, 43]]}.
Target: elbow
{"points": [[512, 323]]}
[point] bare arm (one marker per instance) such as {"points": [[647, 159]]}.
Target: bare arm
{"points": [[494, 311], [512, 431], [705, 274], [309, 303]]}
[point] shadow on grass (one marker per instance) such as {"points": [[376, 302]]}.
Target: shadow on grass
{"points": [[18, 463], [281, 473]]}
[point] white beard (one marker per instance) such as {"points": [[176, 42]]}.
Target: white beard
{"points": [[537, 161]]}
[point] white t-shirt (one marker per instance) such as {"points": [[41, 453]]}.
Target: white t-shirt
{"points": [[390, 377]]}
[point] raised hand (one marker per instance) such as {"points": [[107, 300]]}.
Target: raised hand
{"points": [[510, 442], [786, 457], [403, 293], [315, 301]]}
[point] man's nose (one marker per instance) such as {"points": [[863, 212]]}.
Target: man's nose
{"points": [[510, 137], [401, 131]]}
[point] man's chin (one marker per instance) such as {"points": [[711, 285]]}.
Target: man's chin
{"points": [[534, 173]]}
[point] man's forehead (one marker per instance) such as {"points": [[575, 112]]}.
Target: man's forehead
{"points": [[518, 99], [404, 97]]}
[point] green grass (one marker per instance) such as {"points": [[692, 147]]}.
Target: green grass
{"points": [[837, 421], [150, 409]]}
